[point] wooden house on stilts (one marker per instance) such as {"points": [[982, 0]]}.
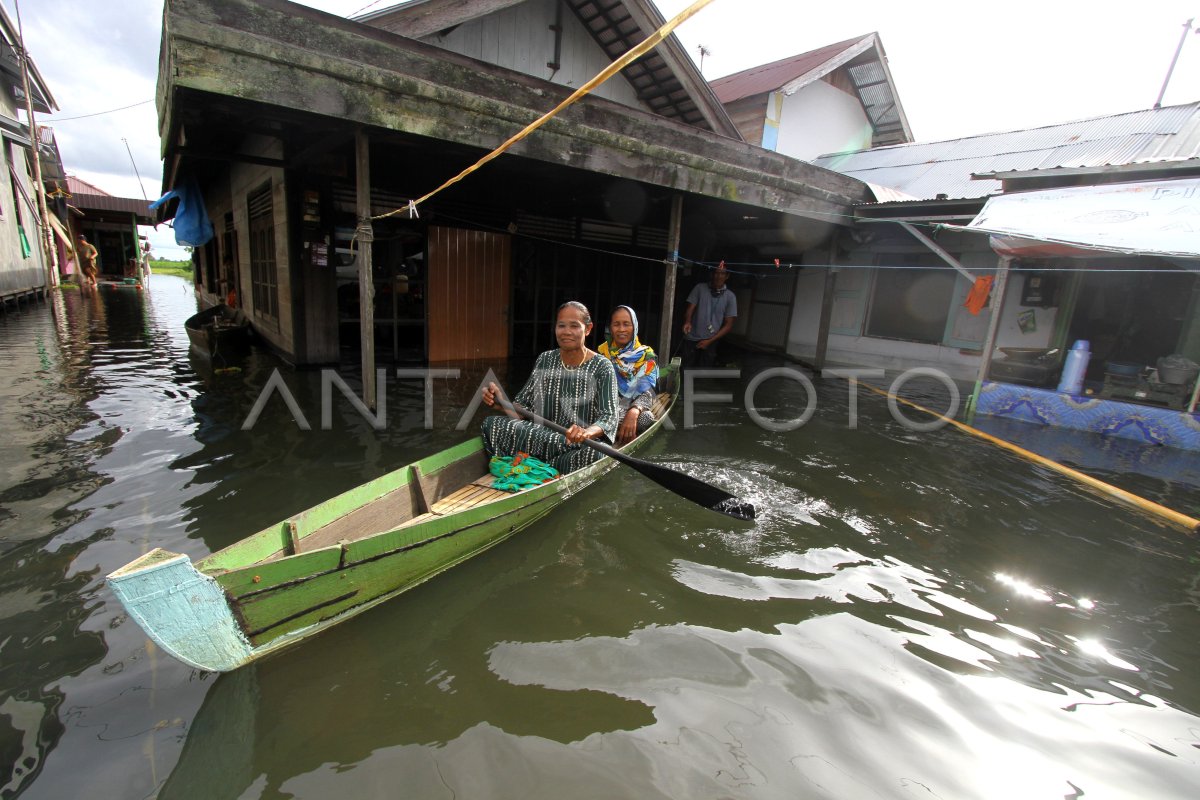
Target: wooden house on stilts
{"points": [[300, 129]]}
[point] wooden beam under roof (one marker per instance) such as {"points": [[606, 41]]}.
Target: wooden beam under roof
{"points": [[682, 71]]}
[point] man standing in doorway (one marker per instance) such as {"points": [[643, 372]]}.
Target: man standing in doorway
{"points": [[711, 310]]}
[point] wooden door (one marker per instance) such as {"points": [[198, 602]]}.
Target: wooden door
{"points": [[468, 291]]}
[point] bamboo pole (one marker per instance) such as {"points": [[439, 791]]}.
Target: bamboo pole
{"points": [[634, 53], [1190, 524], [49, 253]]}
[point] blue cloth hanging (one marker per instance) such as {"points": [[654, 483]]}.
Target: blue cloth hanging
{"points": [[192, 225]]}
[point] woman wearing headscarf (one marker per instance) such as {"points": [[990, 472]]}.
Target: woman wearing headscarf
{"points": [[572, 386], [636, 366]]}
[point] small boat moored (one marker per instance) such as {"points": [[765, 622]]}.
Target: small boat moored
{"points": [[112, 284], [218, 332]]}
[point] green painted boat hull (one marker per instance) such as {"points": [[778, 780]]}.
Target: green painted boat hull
{"points": [[294, 579]]}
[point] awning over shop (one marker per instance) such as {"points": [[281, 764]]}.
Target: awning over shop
{"points": [[1148, 218]]}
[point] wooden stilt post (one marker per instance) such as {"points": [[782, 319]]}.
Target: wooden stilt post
{"points": [[989, 342], [672, 269], [364, 235], [826, 306]]}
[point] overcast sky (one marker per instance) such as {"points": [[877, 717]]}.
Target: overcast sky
{"points": [[961, 68]]}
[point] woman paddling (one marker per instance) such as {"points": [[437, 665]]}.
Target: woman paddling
{"points": [[573, 386], [637, 373]]}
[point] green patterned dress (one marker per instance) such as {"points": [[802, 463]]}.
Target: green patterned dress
{"points": [[585, 395]]}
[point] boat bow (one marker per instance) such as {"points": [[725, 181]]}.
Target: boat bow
{"points": [[182, 610]]}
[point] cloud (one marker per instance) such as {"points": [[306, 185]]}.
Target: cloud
{"points": [[107, 60]]}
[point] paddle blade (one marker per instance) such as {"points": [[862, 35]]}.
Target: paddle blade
{"points": [[694, 489], [739, 509]]}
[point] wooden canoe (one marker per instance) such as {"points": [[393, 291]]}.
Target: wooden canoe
{"points": [[339, 558], [218, 331]]}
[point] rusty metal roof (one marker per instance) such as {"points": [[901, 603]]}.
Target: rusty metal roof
{"points": [[777, 74], [928, 169], [87, 197]]}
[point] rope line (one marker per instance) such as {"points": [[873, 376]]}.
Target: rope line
{"points": [[1189, 524], [652, 41]]}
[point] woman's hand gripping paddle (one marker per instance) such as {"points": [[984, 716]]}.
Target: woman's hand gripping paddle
{"points": [[685, 486]]}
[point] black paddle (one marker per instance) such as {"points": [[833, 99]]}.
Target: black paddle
{"points": [[683, 485]]}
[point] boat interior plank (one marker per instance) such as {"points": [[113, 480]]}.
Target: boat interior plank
{"points": [[389, 511]]}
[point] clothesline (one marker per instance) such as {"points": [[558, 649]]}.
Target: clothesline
{"points": [[632, 55]]}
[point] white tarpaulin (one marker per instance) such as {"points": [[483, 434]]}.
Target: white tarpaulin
{"points": [[1148, 218]]}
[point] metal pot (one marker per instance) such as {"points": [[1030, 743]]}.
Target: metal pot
{"points": [[1177, 369]]}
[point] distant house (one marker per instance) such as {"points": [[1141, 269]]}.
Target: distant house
{"points": [[297, 127], [110, 223], [22, 259], [836, 98], [895, 302]]}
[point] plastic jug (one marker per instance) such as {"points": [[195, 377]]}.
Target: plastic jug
{"points": [[1075, 366]]}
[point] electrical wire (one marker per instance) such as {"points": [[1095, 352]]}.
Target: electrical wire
{"points": [[583, 247], [364, 8], [98, 113], [776, 271]]}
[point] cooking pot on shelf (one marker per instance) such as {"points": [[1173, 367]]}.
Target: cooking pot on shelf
{"points": [[1177, 369]]}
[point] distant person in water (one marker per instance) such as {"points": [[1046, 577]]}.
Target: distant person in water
{"points": [[636, 366], [86, 255], [572, 386]]}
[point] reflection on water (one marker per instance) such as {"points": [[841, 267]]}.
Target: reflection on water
{"points": [[910, 614], [1165, 475]]}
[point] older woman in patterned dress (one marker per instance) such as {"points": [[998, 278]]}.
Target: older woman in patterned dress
{"points": [[573, 386]]}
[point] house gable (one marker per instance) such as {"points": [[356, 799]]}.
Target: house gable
{"points": [[540, 38], [846, 85]]}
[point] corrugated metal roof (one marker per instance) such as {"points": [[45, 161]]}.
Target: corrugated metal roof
{"points": [[927, 169], [80, 186], [769, 77]]}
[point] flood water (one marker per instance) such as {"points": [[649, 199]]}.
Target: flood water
{"points": [[911, 615]]}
